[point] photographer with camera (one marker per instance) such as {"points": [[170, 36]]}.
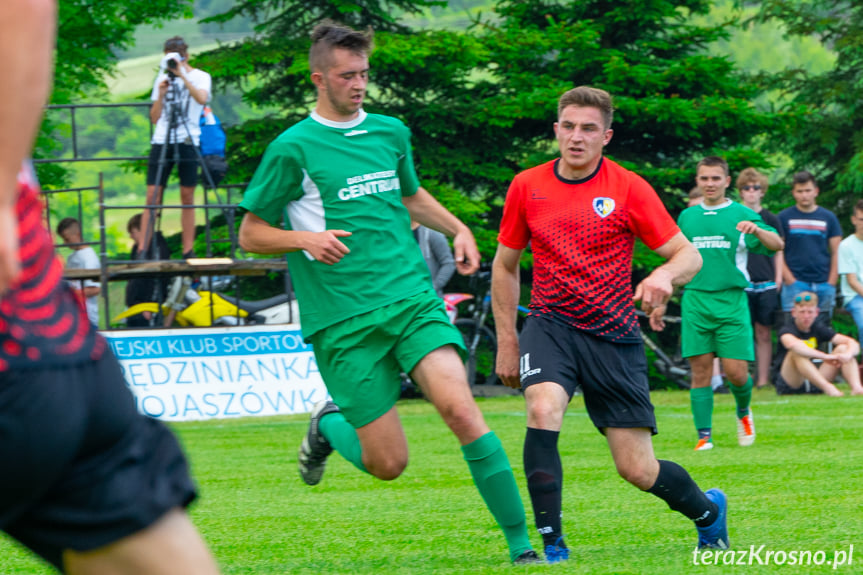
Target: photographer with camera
{"points": [[179, 95]]}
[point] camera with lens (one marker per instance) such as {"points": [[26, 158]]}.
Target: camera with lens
{"points": [[170, 62]]}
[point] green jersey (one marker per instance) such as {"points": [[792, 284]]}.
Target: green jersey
{"points": [[321, 175], [724, 250]]}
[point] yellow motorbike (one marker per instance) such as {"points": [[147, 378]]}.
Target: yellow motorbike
{"points": [[190, 304]]}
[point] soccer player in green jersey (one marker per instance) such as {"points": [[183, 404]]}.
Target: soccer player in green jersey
{"points": [[345, 184], [715, 309]]}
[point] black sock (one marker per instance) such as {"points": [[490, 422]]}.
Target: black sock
{"points": [[544, 482], [676, 487]]}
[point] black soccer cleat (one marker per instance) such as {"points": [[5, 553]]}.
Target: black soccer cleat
{"points": [[529, 557], [315, 448]]}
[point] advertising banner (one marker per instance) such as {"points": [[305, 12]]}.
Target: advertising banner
{"points": [[207, 373]]}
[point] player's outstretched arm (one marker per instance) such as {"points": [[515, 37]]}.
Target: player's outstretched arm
{"points": [[425, 209], [504, 302], [258, 236], [683, 263]]}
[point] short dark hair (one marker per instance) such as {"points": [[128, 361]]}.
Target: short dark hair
{"points": [[858, 207], [65, 224], [134, 223], [714, 161], [587, 97], [329, 35], [803, 177], [176, 44]]}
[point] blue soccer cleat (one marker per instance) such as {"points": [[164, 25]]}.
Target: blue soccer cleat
{"points": [[715, 536], [556, 553]]}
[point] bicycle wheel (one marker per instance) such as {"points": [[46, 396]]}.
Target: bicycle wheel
{"points": [[665, 371], [481, 352]]}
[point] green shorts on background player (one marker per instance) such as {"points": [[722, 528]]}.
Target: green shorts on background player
{"points": [[343, 184], [715, 308]]}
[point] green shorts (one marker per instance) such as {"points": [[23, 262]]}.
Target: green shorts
{"points": [[361, 359], [716, 322]]}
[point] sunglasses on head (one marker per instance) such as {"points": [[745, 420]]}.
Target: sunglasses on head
{"points": [[755, 187], [802, 298]]}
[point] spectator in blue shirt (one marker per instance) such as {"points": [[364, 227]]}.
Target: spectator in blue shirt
{"points": [[812, 236]]}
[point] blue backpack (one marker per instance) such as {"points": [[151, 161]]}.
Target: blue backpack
{"points": [[213, 146]]}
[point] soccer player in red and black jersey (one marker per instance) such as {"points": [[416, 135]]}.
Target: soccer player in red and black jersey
{"points": [[581, 214], [87, 483]]}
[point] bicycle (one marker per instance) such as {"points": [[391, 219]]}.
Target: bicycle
{"points": [[673, 367], [479, 338]]}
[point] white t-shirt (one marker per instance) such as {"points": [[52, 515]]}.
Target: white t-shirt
{"points": [[87, 259], [200, 80], [850, 262]]}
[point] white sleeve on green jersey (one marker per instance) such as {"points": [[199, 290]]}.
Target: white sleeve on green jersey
{"points": [[277, 181]]}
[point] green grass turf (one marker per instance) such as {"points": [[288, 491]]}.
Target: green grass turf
{"points": [[798, 488]]}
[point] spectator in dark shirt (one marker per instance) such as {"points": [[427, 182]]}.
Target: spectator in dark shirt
{"points": [[765, 275], [799, 341], [142, 290]]}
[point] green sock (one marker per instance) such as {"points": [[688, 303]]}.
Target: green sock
{"points": [[343, 437], [742, 396], [495, 481], [701, 400]]}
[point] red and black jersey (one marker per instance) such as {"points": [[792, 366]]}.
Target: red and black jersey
{"points": [[42, 322], [582, 233]]}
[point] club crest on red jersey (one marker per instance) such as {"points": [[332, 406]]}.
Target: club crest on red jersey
{"points": [[603, 206]]}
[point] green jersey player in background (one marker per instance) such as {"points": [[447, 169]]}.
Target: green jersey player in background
{"points": [[715, 309], [345, 184]]}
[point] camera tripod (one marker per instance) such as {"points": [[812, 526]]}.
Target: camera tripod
{"points": [[177, 103], [175, 106]]}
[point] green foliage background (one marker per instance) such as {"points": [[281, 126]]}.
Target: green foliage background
{"points": [[771, 84]]}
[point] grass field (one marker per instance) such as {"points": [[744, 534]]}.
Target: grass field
{"points": [[796, 489]]}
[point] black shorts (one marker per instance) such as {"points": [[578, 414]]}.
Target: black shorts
{"points": [[187, 168], [613, 376], [763, 306], [782, 387], [81, 468]]}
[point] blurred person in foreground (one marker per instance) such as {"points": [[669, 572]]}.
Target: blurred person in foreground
{"points": [[88, 483]]}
